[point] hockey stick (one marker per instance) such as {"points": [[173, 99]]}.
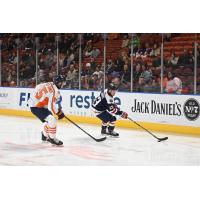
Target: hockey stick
{"points": [[159, 139], [96, 139]]}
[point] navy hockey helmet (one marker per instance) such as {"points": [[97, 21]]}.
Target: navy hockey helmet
{"points": [[58, 79]]}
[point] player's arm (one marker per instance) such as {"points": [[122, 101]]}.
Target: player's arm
{"points": [[114, 109], [60, 113], [56, 108], [54, 103]]}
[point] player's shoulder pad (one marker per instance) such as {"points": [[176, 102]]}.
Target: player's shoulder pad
{"points": [[110, 100]]}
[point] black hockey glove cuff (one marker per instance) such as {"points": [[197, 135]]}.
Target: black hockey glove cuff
{"points": [[60, 114]]}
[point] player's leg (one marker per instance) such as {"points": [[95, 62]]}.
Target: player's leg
{"points": [[111, 126], [103, 127], [41, 114], [49, 127], [45, 132], [107, 117]]}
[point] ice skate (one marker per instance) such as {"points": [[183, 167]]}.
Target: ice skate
{"points": [[112, 132], [55, 141], [44, 138]]}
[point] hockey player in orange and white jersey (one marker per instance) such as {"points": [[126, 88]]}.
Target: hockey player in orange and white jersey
{"points": [[44, 102]]}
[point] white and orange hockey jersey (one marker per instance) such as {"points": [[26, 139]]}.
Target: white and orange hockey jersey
{"points": [[46, 95]]}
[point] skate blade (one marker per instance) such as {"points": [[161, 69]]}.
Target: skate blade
{"points": [[111, 136], [54, 145]]}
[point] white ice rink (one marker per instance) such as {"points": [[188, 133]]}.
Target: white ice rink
{"points": [[20, 144]]}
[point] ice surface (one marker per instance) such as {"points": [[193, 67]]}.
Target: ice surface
{"points": [[20, 144]]}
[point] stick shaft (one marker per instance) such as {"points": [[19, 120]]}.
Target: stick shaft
{"points": [[144, 128], [97, 140]]}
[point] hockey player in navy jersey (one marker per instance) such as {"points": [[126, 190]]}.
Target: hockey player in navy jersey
{"points": [[105, 109]]}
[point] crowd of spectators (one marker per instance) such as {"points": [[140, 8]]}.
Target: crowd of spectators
{"points": [[146, 62]]}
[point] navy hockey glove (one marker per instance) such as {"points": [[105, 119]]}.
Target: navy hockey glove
{"points": [[124, 115], [60, 114]]}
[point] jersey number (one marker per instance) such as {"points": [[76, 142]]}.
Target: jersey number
{"points": [[96, 101], [43, 90]]}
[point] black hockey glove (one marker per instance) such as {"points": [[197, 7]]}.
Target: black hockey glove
{"points": [[60, 114]]}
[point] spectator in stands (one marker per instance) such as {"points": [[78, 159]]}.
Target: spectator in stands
{"points": [[9, 77], [167, 37], [26, 71], [174, 84], [125, 41], [137, 73], [126, 78], [146, 86], [12, 84], [185, 58], [155, 51], [173, 60], [61, 59], [116, 81], [95, 83], [93, 64], [88, 48], [85, 82], [136, 43], [146, 74], [86, 71], [95, 52], [145, 50], [165, 80], [119, 61], [117, 71], [98, 72], [110, 67], [12, 58], [71, 77], [157, 62], [70, 58], [155, 85]]}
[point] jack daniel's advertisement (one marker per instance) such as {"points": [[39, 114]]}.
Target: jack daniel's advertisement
{"points": [[190, 109]]}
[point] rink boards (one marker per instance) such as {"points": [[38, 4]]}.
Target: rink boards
{"points": [[159, 112]]}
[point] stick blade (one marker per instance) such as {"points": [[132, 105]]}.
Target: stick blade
{"points": [[162, 139], [100, 139]]}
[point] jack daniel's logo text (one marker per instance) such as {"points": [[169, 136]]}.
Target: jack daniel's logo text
{"points": [[154, 107]]}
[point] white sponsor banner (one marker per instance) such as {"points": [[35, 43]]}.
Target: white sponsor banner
{"points": [[16, 98], [157, 108], [162, 108]]}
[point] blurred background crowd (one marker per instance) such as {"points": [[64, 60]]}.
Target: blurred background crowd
{"points": [[167, 63]]}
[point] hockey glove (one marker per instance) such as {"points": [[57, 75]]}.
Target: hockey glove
{"points": [[124, 115], [60, 114]]}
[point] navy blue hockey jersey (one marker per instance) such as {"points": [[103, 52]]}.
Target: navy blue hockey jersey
{"points": [[105, 102]]}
